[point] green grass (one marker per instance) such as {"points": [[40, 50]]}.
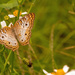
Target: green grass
{"points": [[52, 43]]}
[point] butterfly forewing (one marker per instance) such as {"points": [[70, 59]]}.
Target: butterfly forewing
{"points": [[22, 28], [8, 39]]}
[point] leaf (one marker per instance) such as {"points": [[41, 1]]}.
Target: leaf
{"points": [[70, 1], [10, 4], [4, 1], [0, 10]]}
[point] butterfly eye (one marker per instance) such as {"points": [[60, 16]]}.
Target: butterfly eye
{"points": [[2, 36]]}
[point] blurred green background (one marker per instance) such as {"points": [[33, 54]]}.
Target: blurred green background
{"points": [[52, 40]]}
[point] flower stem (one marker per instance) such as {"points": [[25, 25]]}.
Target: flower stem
{"points": [[51, 46], [12, 61], [19, 11], [31, 6], [35, 56], [20, 3], [6, 62]]}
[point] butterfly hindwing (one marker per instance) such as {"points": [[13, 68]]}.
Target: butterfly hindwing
{"points": [[22, 28], [8, 39]]}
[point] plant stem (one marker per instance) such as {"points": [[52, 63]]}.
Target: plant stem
{"points": [[20, 61], [6, 62], [51, 46], [31, 6], [65, 39], [19, 8], [12, 61], [35, 56], [19, 11]]}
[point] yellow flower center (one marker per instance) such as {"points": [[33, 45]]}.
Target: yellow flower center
{"points": [[53, 73], [6, 17], [19, 1], [60, 72], [16, 13]]}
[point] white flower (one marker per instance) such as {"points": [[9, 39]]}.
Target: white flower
{"points": [[3, 24], [55, 70], [46, 72], [10, 25], [72, 72], [65, 68], [12, 16], [24, 13], [20, 17], [63, 71]]}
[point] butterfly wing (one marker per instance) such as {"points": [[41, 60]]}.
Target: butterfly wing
{"points": [[8, 39], [22, 28]]}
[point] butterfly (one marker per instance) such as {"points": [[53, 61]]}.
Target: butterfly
{"points": [[21, 30]]}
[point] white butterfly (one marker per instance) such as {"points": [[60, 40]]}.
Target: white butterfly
{"points": [[20, 30]]}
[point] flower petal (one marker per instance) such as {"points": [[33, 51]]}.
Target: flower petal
{"points": [[11, 16], [10, 24], [20, 17], [55, 70], [3, 23], [65, 68], [24, 13], [46, 72], [72, 72]]}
